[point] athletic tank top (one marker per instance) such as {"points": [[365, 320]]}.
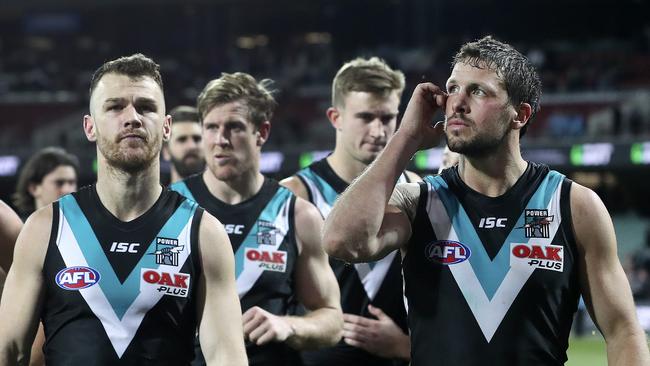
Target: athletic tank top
{"points": [[261, 230], [492, 279], [121, 293], [378, 283]]}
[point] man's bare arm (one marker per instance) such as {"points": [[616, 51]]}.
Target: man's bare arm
{"points": [[21, 301], [316, 288], [316, 285], [10, 225], [604, 286], [219, 311], [295, 185], [361, 226]]}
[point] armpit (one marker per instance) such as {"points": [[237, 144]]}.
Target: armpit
{"points": [[406, 197]]}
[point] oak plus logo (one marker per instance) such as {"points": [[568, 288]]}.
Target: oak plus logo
{"points": [[549, 257], [267, 260], [167, 283]]}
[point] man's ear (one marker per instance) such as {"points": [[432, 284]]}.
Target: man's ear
{"points": [[334, 115], [263, 132], [167, 128], [89, 128], [524, 112]]}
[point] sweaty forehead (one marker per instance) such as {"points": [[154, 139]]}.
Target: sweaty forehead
{"points": [[118, 86], [469, 73]]}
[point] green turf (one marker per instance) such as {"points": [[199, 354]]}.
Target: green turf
{"points": [[587, 351]]}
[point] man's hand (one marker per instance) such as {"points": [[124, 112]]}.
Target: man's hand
{"points": [[381, 337], [262, 327], [417, 122]]}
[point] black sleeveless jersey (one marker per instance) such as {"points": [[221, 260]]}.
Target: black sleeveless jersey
{"points": [[121, 293], [261, 230], [492, 279], [377, 283]]}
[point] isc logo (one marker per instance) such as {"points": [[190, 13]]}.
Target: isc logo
{"points": [[447, 252], [117, 247], [266, 259], [175, 284], [76, 278], [549, 257], [234, 229], [492, 222]]}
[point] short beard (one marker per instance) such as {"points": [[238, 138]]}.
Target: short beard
{"points": [[129, 163], [184, 169], [479, 146]]}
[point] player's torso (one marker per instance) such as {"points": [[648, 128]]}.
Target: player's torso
{"points": [[496, 276], [377, 283], [121, 293], [261, 231]]}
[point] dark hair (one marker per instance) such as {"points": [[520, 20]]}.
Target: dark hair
{"points": [[35, 169], [239, 86], [518, 74], [135, 66], [184, 113]]}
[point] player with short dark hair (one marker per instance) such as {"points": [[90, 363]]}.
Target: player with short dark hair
{"points": [[183, 150], [88, 264], [481, 286]]}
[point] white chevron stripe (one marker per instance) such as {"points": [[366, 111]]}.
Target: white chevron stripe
{"points": [[373, 278], [250, 274], [119, 332], [488, 313]]}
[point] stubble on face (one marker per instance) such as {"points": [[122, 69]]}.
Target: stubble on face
{"points": [[136, 144], [481, 143]]}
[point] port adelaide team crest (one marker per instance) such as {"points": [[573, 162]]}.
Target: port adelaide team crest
{"points": [[536, 223], [265, 256], [164, 281]]}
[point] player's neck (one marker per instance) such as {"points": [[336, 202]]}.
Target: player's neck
{"points": [[235, 190], [128, 195], [347, 168], [492, 174], [175, 177]]}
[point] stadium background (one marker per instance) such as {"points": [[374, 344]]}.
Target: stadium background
{"points": [[593, 57]]}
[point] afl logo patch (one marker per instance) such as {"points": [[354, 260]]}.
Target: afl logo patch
{"points": [[447, 252], [77, 278]]}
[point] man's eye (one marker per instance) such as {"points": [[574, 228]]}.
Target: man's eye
{"points": [[480, 92]]}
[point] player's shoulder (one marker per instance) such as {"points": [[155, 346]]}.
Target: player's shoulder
{"points": [[296, 186], [412, 176]]}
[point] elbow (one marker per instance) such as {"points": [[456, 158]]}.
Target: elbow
{"points": [[343, 249], [337, 332]]}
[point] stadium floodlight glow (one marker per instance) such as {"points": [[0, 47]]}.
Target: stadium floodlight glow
{"points": [[640, 153], [592, 154], [430, 159], [271, 161], [307, 158], [9, 165]]}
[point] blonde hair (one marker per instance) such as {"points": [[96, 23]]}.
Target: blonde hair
{"points": [[239, 86], [366, 75]]}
